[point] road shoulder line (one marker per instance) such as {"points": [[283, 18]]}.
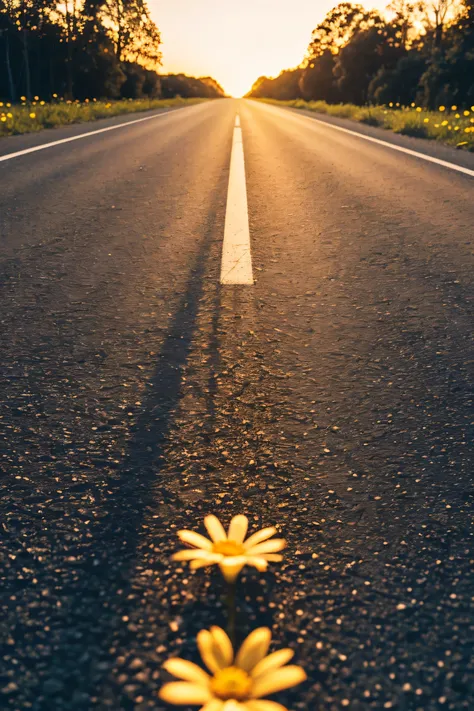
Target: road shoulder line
{"points": [[386, 144], [51, 144]]}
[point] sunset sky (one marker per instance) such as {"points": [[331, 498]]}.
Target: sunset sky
{"points": [[236, 41]]}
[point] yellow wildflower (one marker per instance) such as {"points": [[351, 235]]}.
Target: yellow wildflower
{"points": [[230, 551], [237, 681]]}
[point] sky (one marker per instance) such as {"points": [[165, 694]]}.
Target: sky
{"points": [[236, 41]]}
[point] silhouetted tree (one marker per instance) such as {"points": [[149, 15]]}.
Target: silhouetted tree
{"points": [[190, 87], [85, 49], [358, 56], [284, 86]]}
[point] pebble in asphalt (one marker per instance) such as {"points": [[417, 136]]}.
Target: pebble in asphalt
{"points": [[134, 409]]}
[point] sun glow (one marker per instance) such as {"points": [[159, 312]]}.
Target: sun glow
{"points": [[237, 42]]}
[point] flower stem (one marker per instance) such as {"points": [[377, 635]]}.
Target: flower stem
{"points": [[231, 612]]}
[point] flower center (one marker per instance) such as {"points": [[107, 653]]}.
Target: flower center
{"points": [[228, 548], [231, 683]]}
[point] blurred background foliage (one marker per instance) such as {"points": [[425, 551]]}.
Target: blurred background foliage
{"points": [[86, 48], [419, 52]]}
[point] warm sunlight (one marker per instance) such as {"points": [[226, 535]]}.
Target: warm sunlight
{"points": [[237, 42], [236, 354]]}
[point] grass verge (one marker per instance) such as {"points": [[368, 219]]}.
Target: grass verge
{"points": [[450, 126], [29, 117]]}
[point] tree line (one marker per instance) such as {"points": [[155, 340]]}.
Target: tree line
{"points": [[86, 48], [419, 52]]}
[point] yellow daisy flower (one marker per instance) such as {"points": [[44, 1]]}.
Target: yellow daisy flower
{"points": [[237, 682], [230, 551]]}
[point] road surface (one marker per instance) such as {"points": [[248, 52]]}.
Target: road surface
{"points": [[332, 397]]}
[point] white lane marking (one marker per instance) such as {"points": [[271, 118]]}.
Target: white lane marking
{"points": [[408, 151], [236, 266], [33, 149], [237, 120]]}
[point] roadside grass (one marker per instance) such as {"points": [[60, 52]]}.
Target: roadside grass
{"points": [[33, 116], [447, 125]]}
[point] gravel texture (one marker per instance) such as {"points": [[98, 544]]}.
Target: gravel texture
{"points": [[333, 399]]}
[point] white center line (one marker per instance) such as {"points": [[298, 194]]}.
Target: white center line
{"points": [[236, 266]]}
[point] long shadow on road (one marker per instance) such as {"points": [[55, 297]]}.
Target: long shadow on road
{"points": [[94, 603]]}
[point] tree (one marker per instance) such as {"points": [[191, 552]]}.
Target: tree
{"points": [[133, 32], [189, 87], [335, 31], [449, 75], [284, 87], [6, 28], [317, 80], [328, 40], [84, 49], [400, 84], [436, 13], [359, 56]]}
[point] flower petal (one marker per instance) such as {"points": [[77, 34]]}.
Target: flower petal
{"points": [[260, 536], [231, 567], [214, 705], [277, 680], [215, 649], [264, 705], [194, 554], [188, 671], [181, 692], [273, 661], [205, 643], [238, 528], [253, 649], [233, 705], [215, 528], [223, 649], [195, 539], [258, 562], [272, 557], [276, 544], [195, 564]]}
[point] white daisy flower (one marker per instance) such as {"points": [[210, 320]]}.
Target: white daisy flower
{"points": [[236, 682], [230, 551]]}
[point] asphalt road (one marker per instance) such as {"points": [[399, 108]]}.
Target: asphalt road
{"points": [[333, 398]]}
